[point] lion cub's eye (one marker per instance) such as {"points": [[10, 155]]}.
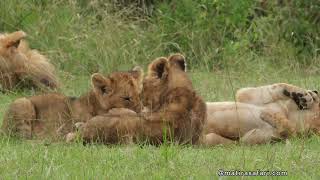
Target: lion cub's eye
{"points": [[126, 98], [105, 90]]}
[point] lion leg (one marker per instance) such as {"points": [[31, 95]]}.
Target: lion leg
{"points": [[279, 121], [71, 137], [99, 129], [272, 93], [212, 139], [18, 119], [108, 129], [315, 95], [85, 132], [257, 136]]}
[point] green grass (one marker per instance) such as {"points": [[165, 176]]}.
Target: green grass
{"points": [[41, 159], [60, 161], [228, 45]]}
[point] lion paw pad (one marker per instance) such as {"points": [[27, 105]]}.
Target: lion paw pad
{"points": [[304, 100]]}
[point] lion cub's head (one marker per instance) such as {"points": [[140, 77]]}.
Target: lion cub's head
{"points": [[163, 75], [119, 89]]}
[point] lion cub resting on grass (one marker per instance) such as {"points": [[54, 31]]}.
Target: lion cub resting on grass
{"points": [[54, 115], [20, 65], [263, 114], [176, 113]]}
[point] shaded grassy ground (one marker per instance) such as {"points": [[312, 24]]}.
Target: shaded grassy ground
{"points": [[39, 160]]}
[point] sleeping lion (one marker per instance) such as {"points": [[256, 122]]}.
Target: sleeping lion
{"points": [[263, 114], [21, 66]]}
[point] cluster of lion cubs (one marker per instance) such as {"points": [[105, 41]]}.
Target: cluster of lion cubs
{"points": [[126, 107]]}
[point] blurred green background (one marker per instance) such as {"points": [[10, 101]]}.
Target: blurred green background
{"points": [[82, 36]]}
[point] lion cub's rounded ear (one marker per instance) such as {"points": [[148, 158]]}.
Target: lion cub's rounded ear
{"points": [[159, 68], [137, 73], [178, 60], [100, 83], [13, 39]]}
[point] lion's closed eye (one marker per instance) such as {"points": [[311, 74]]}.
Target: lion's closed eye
{"points": [[105, 90], [126, 98]]}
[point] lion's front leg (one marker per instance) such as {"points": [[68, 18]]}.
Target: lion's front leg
{"points": [[302, 97], [212, 139], [279, 121], [257, 136], [108, 129], [271, 93]]}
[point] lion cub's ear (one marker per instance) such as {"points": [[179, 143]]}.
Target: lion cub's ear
{"points": [[137, 73], [178, 60], [13, 39], [101, 84], [159, 68]]}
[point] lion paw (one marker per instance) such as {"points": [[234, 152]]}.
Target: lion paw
{"points": [[314, 94], [303, 99], [71, 137], [79, 125]]}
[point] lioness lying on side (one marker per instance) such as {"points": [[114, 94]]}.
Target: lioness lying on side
{"points": [[176, 113], [19, 65], [262, 114], [54, 115]]}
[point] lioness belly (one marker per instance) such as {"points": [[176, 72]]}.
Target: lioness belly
{"points": [[233, 120]]}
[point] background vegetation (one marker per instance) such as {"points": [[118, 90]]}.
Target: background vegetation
{"points": [[228, 44], [87, 36]]}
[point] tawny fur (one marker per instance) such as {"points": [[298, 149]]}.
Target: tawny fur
{"points": [[176, 113], [20, 65], [54, 115], [262, 114], [122, 127]]}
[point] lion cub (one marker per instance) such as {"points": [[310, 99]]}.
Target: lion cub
{"points": [[54, 115], [20, 65], [176, 113]]}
